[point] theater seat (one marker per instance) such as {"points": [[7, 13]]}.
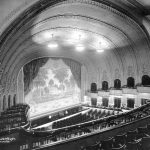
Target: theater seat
{"points": [[133, 145], [107, 144], [122, 147], [131, 135], [142, 131], [145, 143], [120, 139]]}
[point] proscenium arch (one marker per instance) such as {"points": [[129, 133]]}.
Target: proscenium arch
{"points": [[64, 59], [27, 56], [31, 57]]}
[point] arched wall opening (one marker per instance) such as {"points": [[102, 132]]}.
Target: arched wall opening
{"points": [[50, 83]]}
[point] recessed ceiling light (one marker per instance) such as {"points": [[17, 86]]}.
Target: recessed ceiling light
{"points": [[80, 48], [52, 45], [100, 50]]}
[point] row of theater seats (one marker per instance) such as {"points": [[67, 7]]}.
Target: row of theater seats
{"points": [[138, 139], [55, 116], [38, 140], [91, 114], [13, 117], [76, 131], [132, 140]]}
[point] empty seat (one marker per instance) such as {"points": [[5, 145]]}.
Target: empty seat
{"points": [[145, 143], [131, 136], [107, 144], [142, 131], [120, 139], [133, 145]]}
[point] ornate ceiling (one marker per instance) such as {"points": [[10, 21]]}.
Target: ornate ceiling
{"points": [[119, 28]]}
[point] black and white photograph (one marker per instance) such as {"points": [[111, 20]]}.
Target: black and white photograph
{"points": [[74, 74]]}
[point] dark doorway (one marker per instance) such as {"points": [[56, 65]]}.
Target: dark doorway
{"points": [[117, 102], [93, 87], [117, 84], [145, 80], [130, 82], [130, 103], [105, 102], [94, 102], [104, 85]]}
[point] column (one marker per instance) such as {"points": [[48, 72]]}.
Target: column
{"points": [[20, 87]]}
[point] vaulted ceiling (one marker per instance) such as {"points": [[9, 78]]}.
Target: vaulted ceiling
{"points": [[103, 35]]}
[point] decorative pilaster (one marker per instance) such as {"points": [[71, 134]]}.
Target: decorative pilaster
{"points": [[20, 87]]}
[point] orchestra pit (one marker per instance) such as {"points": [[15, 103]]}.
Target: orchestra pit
{"points": [[74, 75]]}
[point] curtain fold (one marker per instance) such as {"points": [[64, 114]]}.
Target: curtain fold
{"points": [[31, 70], [75, 68]]}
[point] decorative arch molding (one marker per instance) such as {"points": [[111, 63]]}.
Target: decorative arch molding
{"points": [[13, 14], [40, 6], [85, 18], [43, 4]]}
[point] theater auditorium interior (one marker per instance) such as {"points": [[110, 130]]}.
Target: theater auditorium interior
{"points": [[74, 74]]}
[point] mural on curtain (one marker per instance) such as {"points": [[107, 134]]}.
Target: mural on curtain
{"points": [[51, 84]]}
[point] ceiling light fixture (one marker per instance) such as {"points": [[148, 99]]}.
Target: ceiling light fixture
{"points": [[80, 48], [100, 50], [103, 43], [52, 45]]}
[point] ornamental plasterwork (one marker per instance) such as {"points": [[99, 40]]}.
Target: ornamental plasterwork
{"points": [[1, 71], [4, 80], [13, 87], [104, 77], [117, 74], [130, 72], [91, 20], [145, 70], [14, 12], [98, 4]]}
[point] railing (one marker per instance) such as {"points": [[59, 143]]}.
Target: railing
{"points": [[39, 139], [83, 132]]}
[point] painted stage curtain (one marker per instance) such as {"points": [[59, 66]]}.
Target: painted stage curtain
{"points": [[31, 70], [75, 68]]}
